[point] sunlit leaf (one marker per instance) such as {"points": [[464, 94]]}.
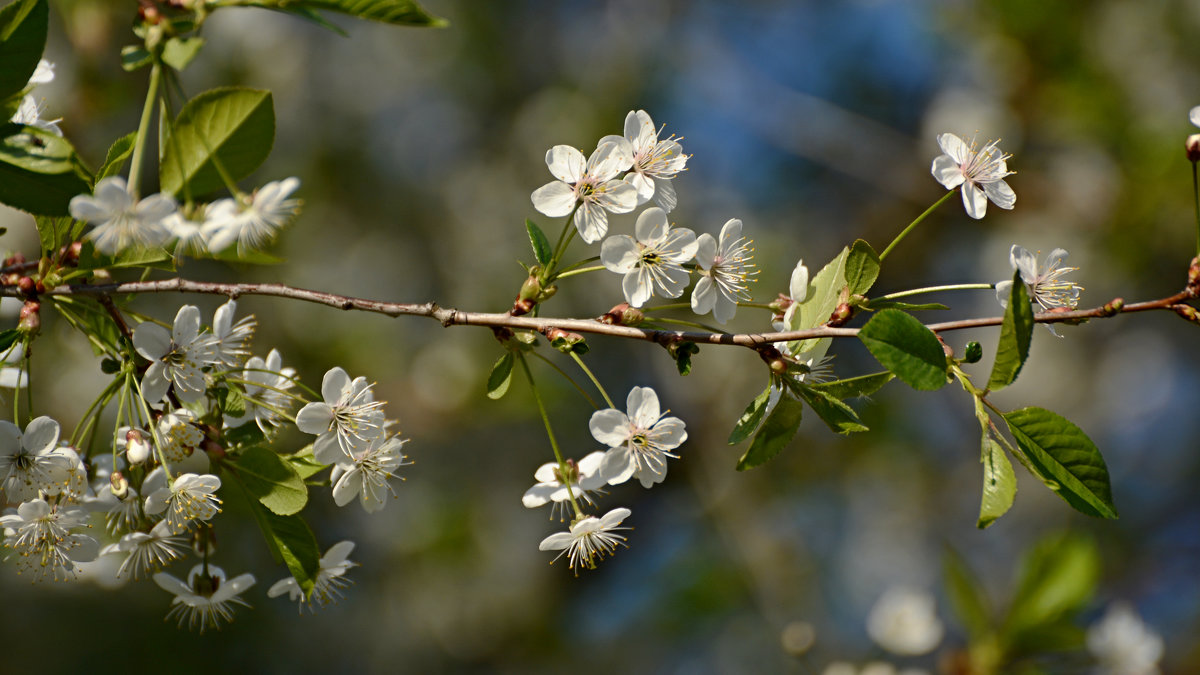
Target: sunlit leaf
{"points": [[1064, 458], [775, 434], [537, 239], [232, 126], [750, 418], [500, 377], [1015, 335], [862, 267], [903, 345], [824, 290], [272, 481], [999, 482]]}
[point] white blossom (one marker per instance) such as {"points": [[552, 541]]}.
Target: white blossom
{"points": [[254, 223], [266, 384], [904, 621], [655, 162], [1043, 281], [28, 461], [654, 260], [346, 421], [1123, 644], [175, 358], [40, 536], [640, 441], [726, 271], [589, 539], [980, 173], [178, 434], [43, 74], [147, 551], [188, 234], [190, 497], [581, 479], [331, 578], [231, 340], [29, 113], [365, 475], [593, 186], [121, 221], [207, 599], [1194, 116]]}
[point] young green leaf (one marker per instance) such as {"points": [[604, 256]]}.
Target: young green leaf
{"points": [[854, 387], [837, 415], [750, 418], [1064, 458], [8, 338], [966, 595], [22, 39], [999, 483], [39, 172], [396, 12], [862, 267], [291, 541], [178, 52], [823, 292], [1057, 578], [907, 348], [1015, 335], [134, 57], [118, 154], [230, 126], [305, 465], [500, 377], [230, 401], [272, 481], [542, 250], [53, 232], [774, 435]]}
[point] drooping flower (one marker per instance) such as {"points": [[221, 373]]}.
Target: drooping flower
{"points": [[41, 536], [147, 551], [904, 621], [178, 434], [726, 272], [265, 391], [232, 340], [189, 498], [654, 260], [253, 224], [176, 357], [1123, 644], [553, 487], [121, 221], [655, 162], [797, 294], [640, 442], [29, 113], [593, 186], [1043, 281], [366, 474], [28, 461], [347, 421], [980, 173], [331, 578], [589, 539], [207, 599]]}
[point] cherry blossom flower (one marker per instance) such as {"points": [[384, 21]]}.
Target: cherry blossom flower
{"points": [[593, 186], [254, 223], [653, 261], [41, 538], [640, 441], [120, 220], [904, 621], [1194, 116], [1044, 281], [207, 599], [178, 434], [367, 472], [347, 421], [1123, 644], [655, 162], [43, 74], [265, 385], [797, 294], [29, 113], [28, 461], [188, 498], [147, 551], [726, 271], [231, 341], [187, 233], [554, 488], [331, 578], [176, 357], [980, 173], [589, 539]]}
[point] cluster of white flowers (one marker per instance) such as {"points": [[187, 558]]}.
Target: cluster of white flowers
{"points": [[121, 221]]}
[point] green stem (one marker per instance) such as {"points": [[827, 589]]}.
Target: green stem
{"points": [[935, 289], [592, 377], [571, 273], [93, 410], [914, 223], [139, 144], [570, 379], [564, 240], [562, 464], [581, 263]]}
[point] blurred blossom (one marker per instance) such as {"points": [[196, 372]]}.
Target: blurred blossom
{"points": [[872, 668], [1123, 644], [904, 621]]}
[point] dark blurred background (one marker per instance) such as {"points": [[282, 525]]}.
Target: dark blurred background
{"points": [[813, 122]]}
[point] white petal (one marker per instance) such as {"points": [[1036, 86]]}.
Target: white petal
{"points": [[651, 224], [1056, 258], [704, 295], [637, 286], [333, 384], [798, 286], [724, 309], [642, 404], [609, 426], [617, 196], [672, 283], [706, 252], [669, 433], [556, 542], [610, 158], [151, 340], [1003, 290], [1025, 261], [347, 487], [947, 171], [974, 200], [41, 435], [592, 221], [664, 194], [555, 199], [187, 325], [644, 185], [639, 129], [155, 383], [1000, 194], [538, 495], [730, 233], [620, 253], [171, 584], [565, 163], [614, 518], [955, 147], [618, 465], [1194, 115]]}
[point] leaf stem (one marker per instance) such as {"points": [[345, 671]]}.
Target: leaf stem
{"points": [[571, 273], [562, 464], [592, 377], [570, 379], [936, 289], [914, 223], [139, 144]]}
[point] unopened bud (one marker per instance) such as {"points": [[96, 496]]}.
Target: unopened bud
{"points": [[623, 315], [119, 485], [44, 265], [530, 289], [14, 259], [779, 306], [1194, 276], [973, 353], [1113, 307], [502, 333], [101, 276], [27, 287], [1188, 312], [137, 448], [774, 359], [69, 255], [39, 286], [566, 342], [31, 320], [840, 315], [547, 293], [1192, 145]]}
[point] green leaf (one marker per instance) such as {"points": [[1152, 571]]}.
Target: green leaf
{"points": [[232, 126], [999, 482], [272, 481], [8, 338], [1064, 458], [92, 321], [854, 387], [395, 12], [118, 154], [22, 39], [774, 435], [837, 415], [134, 57], [862, 267], [244, 436], [824, 291], [179, 52], [39, 172], [53, 232], [305, 465], [292, 542], [966, 596], [233, 255], [876, 305], [750, 418], [683, 352], [230, 401], [1015, 335], [500, 377], [155, 258], [907, 348], [537, 239], [1057, 578]]}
